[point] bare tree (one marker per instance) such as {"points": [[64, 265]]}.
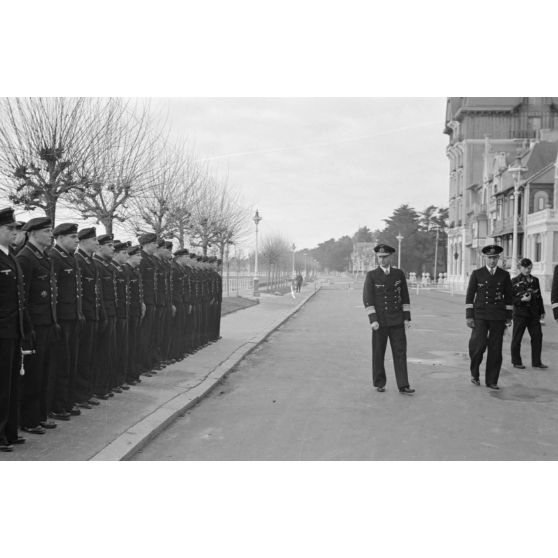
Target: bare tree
{"points": [[120, 163], [155, 209], [41, 142], [275, 255]]}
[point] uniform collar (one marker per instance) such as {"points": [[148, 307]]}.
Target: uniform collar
{"points": [[61, 251], [83, 254]]}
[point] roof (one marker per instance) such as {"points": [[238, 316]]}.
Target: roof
{"points": [[538, 160]]}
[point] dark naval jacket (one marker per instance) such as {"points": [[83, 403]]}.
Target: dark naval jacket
{"points": [[522, 285], [386, 297], [12, 298], [489, 297], [68, 281], [39, 285], [90, 286]]}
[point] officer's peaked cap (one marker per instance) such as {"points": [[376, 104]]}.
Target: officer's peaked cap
{"points": [[384, 249], [492, 250]]}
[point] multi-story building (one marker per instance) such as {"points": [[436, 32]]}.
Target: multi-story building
{"points": [[486, 136]]}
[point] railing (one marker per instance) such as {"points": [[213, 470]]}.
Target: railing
{"points": [[542, 216]]}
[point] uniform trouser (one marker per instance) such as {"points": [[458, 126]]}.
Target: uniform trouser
{"points": [[104, 357], [487, 333], [398, 341], [83, 386], [39, 378], [9, 389], [65, 361], [121, 352], [533, 324], [133, 364], [158, 333], [189, 329], [147, 337]]}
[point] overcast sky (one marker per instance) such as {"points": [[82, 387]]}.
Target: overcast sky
{"points": [[318, 168], [315, 168]]}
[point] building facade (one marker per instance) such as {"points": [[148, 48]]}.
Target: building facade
{"points": [[487, 136]]}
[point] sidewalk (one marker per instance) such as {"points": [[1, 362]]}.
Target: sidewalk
{"points": [[122, 425]]}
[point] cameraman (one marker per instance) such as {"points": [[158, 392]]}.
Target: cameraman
{"points": [[528, 312]]}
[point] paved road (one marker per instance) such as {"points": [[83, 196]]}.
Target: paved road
{"points": [[306, 394]]}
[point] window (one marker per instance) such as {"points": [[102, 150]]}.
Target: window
{"points": [[540, 201], [538, 248]]}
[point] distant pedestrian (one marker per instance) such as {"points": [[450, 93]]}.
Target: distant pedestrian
{"points": [[528, 312], [299, 281], [488, 310], [387, 303]]}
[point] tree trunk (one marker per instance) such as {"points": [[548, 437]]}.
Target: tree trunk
{"points": [[107, 223], [50, 209]]}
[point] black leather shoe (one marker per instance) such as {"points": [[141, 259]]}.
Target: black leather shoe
{"points": [[4, 446], [33, 429], [492, 386], [110, 394], [48, 424], [18, 440], [475, 381], [148, 374], [124, 387], [93, 401], [60, 416], [406, 391], [541, 365], [74, 411], [102, 396], [520, 366], [381, 389], [116, 390], [84, 405]]}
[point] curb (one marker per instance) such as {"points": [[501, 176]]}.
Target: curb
{"points": [[140, 434]]}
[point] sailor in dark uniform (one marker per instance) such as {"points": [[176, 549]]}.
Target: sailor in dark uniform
{"points": [[488, 310], [149, 273], [528, 313], [93, 312], [106, 344], [40, 295], [387, 303], [70, 316], [136, 312], [122, 286], [12, 331]]}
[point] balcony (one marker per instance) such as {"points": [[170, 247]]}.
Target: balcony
{"points": [[541, 217], [505, 226]]}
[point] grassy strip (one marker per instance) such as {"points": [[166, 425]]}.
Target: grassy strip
{"points": [[234, 303]]}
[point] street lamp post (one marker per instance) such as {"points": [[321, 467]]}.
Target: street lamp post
{"points": [[437, 228], [399, 238], [305, 267], [294, 249], [516, 171], [257, 220]]}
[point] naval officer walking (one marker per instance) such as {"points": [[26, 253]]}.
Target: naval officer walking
{"points": [[488, 310], [387, 303]]}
